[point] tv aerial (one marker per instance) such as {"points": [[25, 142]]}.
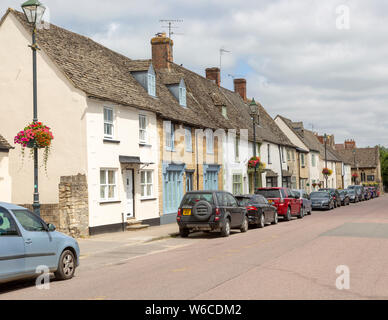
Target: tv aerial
{"points": [[170, 25]]}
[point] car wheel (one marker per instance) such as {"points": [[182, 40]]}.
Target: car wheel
{"points": [[262, 221], [276, 218], [301, 213], [225, 231], [66, 266], [184, 233], [288, 215], [245, 225]]}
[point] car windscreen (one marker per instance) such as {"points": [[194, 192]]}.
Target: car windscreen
{"points": [[244, 202], [191, 199], [351, 191], [319, 195], [352, 187], [269, 193]]}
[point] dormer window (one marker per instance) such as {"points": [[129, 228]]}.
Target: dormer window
{"points": [[147, 80], [151, 80], [225, 112], [182, 93]]}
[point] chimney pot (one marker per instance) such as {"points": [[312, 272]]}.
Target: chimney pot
{"points": [[214, 74], [240, 87], [162, 53]]}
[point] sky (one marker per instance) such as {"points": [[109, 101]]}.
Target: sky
{"points": [[320, 62]]}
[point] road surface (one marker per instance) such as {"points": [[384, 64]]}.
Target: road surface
{"points": [[292, 260]]}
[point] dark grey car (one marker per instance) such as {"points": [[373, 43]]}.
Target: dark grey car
{"points": [[211, 211], [322, 200]]}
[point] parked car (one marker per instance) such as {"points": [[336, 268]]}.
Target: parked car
{"points": [[344, 196], [372, 192], [359, 192], [353, 197], [27, 242], [322, 200], [304, 198], [260, 212], [211, 211], [284, 200], [367, 194], [335, 194]]}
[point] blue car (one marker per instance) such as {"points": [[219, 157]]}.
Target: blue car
{"points": [[306, 207], [27, 242]]}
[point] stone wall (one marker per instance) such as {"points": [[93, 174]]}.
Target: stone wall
{"points": [[74, 206], [71, 215]]}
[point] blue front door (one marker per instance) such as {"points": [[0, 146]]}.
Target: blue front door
{"points": [[210, 177], [172, 187]]}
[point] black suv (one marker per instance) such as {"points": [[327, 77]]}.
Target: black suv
{"points": [[335, 195], [211, 211]]}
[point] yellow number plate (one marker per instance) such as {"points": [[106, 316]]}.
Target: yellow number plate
{"points": [[187, 212]]}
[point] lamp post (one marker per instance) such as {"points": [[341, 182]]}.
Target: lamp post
{"points": [[354, 157], [254, 113], [34, 11], [325, 138]]}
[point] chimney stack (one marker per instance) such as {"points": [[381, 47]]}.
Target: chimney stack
{"points": [[350, 144], [240, 87], [162, 56], [214, 74]]}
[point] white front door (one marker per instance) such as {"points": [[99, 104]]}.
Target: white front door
{"points": [[128, 183]]}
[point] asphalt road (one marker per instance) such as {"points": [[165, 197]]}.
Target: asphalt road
{"points": [[293, 260]]}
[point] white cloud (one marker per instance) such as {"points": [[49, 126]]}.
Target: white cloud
{"points": [[296, 61]]}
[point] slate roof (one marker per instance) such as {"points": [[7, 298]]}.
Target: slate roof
{"points": [[311, 141], [4, 145], [365, 157], [104, 74]]}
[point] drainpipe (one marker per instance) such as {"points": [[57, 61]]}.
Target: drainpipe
{"points": [[196, 149]]}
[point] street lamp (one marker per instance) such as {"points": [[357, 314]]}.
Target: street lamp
{"points": [[34, 11], [325, 139], [254, 113], [354, 157]]}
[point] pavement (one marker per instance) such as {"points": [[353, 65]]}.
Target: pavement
{"points": [[292, 260]]}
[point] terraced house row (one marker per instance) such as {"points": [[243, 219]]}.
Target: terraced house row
{"points": [[132, 136]]}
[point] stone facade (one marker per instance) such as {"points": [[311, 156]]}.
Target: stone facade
{"points": [[73, 206]]}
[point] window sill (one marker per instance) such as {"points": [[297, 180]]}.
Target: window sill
{"points": [[145, 145], [107, 140], [147, 199], [109, 201]]}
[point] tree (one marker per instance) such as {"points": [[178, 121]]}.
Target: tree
{"points": [[384, 164]]}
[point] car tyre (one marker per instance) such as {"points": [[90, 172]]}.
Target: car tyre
{"points": [[245, 225], [184, 233], [261, 223], [225, 231], [66, 266], [288, 215], [301, 213], [276, 218]]}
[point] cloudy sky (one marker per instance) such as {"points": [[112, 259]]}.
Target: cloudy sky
{"points": [[321, 62]]}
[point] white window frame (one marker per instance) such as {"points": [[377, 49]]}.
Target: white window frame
{"points": [[182, 96], [237, 148], [109, 123], [106, 185], [313, 160], [302, 160], [188, 139], [144, 185], [151, 84], [209, 142], [143, 130], [169, 135], [269, 153], [237, 183]]}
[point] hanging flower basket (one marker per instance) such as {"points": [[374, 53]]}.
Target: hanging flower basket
{"points": [[254, 162], [36, 135], [327, 172], [314, 185], [355, 175]]}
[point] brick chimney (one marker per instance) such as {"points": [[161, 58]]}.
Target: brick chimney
{"points": [[162, 56], [350, 144], [214, 74], [240, 87]]}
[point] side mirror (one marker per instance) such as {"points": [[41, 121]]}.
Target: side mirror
{"points": [[51, 227]]}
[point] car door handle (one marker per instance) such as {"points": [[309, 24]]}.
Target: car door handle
{"points": [[28, 241]]}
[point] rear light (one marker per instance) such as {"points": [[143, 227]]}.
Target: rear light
{"points": [[281, 200], [179, 212], [217, 219], [251, 208], [218, 211], [178, 219]]}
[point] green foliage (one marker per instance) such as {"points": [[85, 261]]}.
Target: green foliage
{"points": [[384, 164]]}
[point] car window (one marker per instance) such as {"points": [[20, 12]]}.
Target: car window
{"points": [[231, 201], [7, 224], [28, 220], [222, 202], [269, 193], [244, 202]]}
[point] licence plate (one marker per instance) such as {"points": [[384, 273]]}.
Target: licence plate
{"points": [[270, 201], [187, 212]]}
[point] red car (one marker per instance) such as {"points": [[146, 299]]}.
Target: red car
{"points": [[286, 202]]}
